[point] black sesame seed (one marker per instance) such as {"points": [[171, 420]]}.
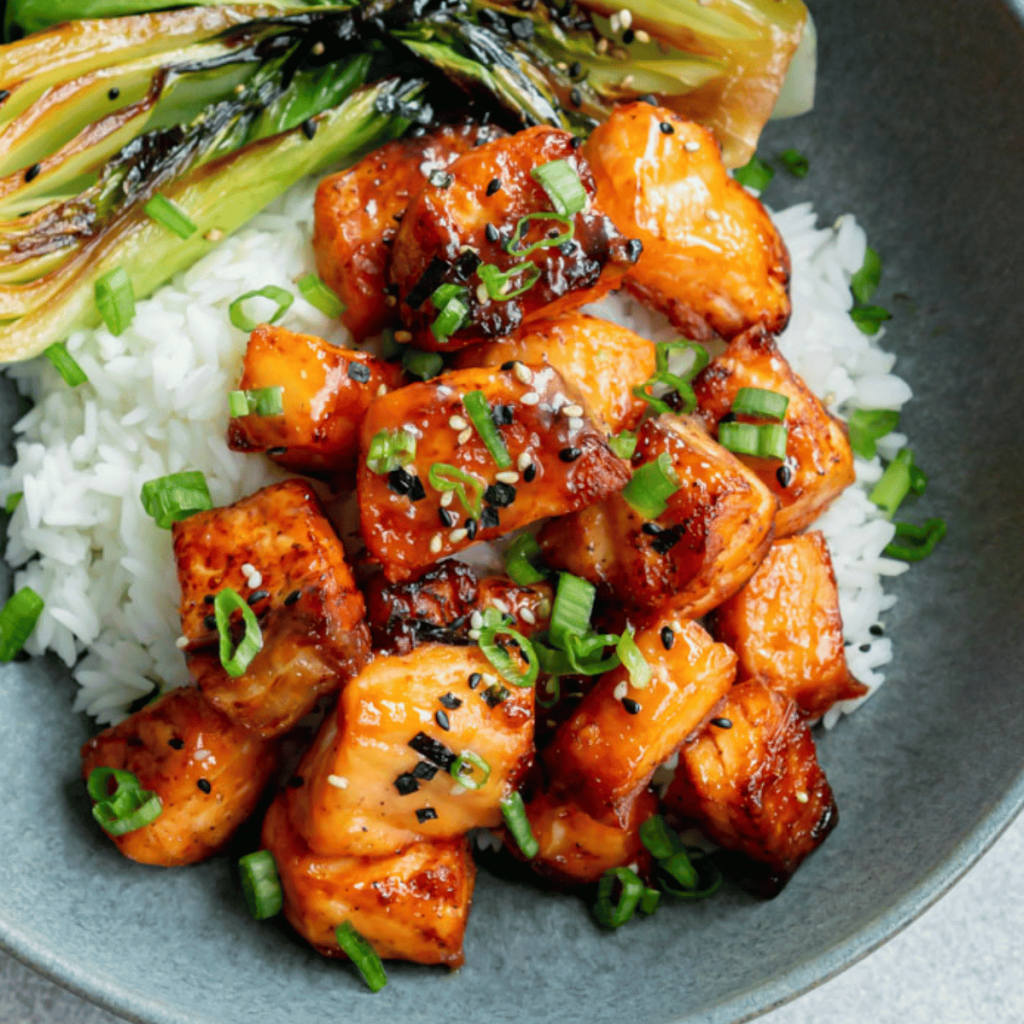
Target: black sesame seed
{"points": [[567, 248], [450, 701], [466, 265], [668, 637], [406, 484], [210, 622], [112, 94], [649, 98], [424, 770], [634, 249], [209, 598], [522, 28], [631, 706], [509, 365], [495, 694], [784, 475], [500, 495], [406, 783], [666, 128], [651, 529], [494, 185], [729, 417], [722, 723], [502, 415], [359, 372], [256, 596], [575, 69], [32, 172], [475, 680], [865, 648], [526, 5], [4, 93], [491, 233], [176, 743], [293, 597], [489, 518], [665, 541], [576, 141], [876, 630], [433, 750], [204, 785], [276, 451], [441, 179], [575, 97], [470, 526], [425, 814], [447, 517], [296, 782], [309, 128], [628, 36], [442, 720], [570, 454], [530, 473]]}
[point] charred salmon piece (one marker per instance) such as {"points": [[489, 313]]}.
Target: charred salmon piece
{"points": [[277, 550], [819, 461], [603, 757], [604, 360], [786, 628], [713, 534], [379, 776], [208, 772], [752, 781], [712, 260], [555, 461], [438, 606], [576, 849], [357, 212], [412, 905], [473, 217], [325, 392]]}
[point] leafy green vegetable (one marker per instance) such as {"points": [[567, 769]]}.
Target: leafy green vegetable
{"points": [[755, 173], [869, 318], [795, 162], [865, 281]]}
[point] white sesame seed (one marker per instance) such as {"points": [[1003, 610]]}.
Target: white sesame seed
{"points": [[490, 680], [458, 535], [528, 617], [615, 21], [712, 215], [248, 569], [181, 643], [457, 423], [691, 146], [382, 390], [544, 608], [476, 621], [501, 606], [620, 691], [214, 235], [642, 36], [403, 337], [202, 755], [318, 49], [338, 781], [435, 543], [575, 423], [474, 634], [255, 578], [530, 398], [507, 476], [602, 45], [447, 498], [626, 18], [523, 373], [572, 410], [482, 294], [465, 435], [801, 796], [562, 66], [523, 461], [627, 81]]}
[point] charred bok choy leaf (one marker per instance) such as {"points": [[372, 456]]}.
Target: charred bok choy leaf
{"points": [[289, 106]]}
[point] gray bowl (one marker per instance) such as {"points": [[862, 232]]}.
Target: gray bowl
{"points": [[919, 129]]}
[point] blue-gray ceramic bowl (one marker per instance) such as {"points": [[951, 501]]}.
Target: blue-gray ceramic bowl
{"points": [[919, 129]]}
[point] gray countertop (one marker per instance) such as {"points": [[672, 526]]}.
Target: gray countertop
{"points": [[961, 963]]}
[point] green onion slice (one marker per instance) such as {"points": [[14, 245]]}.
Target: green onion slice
{"points": [[422, 364], [760, 402], [755, 173], [260, 884], [659, 405], [496, 281], [649, 901], [98, 783], [170, 499], [634, 661], [468, 488], [506, 665], [13, 501], [580, 652], [444, 293], [795, 162], [894, 485], [257, 402], [664, 350], [125, 809], [918, 479], [572, 608], [115, 299], [363, 955], [64, 363], [865, 281], [623, 444], [677, 381], [553, 686], [563, 186], [912, 543], [869, 318], [237, 661], [170, 215], [678, 868], [689, 875], [519, 558], [514, 812], [281, 296], [470, 770], [451, 319], [660, 840], [651, 487], [479, 411], [317, 294], [564, 236], [761, 440], [866, 426], [613, 913], [389, 449]]}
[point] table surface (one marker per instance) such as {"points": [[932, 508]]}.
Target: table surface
{"points": [[962, 962]]}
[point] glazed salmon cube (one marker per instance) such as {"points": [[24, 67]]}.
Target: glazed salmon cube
{"points": [[604, 756], [357, 212], [604, 360], [413, 905], [277, 550], [786, 628], [438, 606], [713, 534], [712, 260], [378, 777], [468, 219], [752, 781], [208, 772], [326, 391], [819, 461], [557, 462], [574, 848]]}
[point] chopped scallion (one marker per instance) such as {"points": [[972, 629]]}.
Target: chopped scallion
{"points": [[497, 281], [170, 499], [64, 363], [755, 173], [468, 488], [795, 162], [912, 543], [658, 838], [317, 294], [260, 884], [18, 618], [451, 319], [584, 653], [422, 364], [237, 660], [613, 913], [281, 296], [363, 955], [869, 318], [649, 901], [519, 557], [633, 660], [562, 183], [506, 665], [479, 411], [760, 402], [623, 444], [115, 299], [651, 487], [572, 608], [866, 426], [689, 874], [514, 812], [865, 281], [257, 402], [170, 215], [761, 440], [390, 449], [564, 236], [470, 770], [894, 484], [13, 501], [125, 809]]}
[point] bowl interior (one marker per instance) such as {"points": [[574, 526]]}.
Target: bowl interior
{"points": [[919, 130]]}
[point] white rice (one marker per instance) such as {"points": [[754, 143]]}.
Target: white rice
{"points": [[156, 403]]}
